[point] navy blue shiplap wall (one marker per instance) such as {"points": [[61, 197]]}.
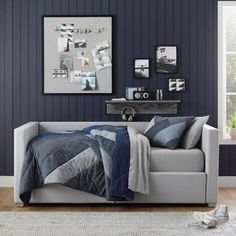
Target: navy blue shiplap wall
{"points": [[139, 25]]}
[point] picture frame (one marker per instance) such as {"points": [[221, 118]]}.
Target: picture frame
{"points": [[177, 84], [166, 59], [142, 68], [77, 54]]}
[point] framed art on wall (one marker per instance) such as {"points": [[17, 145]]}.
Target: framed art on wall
{"points": [[141, 68], [77, 54], [176, 85], [166, 59]]}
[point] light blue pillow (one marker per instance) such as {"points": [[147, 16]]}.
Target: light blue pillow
{"points": [[166, 132]]}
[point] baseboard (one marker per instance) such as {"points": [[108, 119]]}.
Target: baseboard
{"points": [[6, 181], [223, 181], [227, 181]]}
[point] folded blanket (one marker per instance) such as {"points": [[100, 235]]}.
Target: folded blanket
{"points": [[101, 160], [140, 152]]}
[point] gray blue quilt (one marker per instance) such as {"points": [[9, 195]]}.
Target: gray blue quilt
{"points": [[95, 160]]}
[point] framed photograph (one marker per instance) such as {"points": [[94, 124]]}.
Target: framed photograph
{"points": [[166, 59], [176, 85], [77, 54], [141, 68]]}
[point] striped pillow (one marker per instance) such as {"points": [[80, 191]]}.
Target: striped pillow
{"points": [[166, 132]]}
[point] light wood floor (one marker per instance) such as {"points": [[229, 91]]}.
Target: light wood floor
{"points": [[226, 196]]}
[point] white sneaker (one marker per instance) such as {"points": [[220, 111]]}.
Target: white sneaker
{"points": [[205, 221], [220, 213]]}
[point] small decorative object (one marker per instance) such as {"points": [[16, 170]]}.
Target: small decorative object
{"points": [[233, 127], [138, 95], [129, 92], [125, 116], [176, 84], [75, 48], [166, 59], [141, 68], [161, 94], [102, 59], [80, 43]]}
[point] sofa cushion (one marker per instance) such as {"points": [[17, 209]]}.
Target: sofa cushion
{"points": [[167, 131], [193, 133], [178, 160]]}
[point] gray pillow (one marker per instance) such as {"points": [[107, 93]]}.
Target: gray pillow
{"points": [[166, 132], [193, 132]]}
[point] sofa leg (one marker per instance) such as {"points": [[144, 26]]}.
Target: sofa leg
{"points": [[211, 205]]}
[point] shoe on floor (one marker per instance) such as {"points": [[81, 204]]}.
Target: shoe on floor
{"points": [[220, 214], [204, 220]]}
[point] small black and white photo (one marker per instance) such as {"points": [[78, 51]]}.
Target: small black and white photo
{"points": [[80, 43], [102, 45], [141, 68], [176, 84], [59, 74], [166, 59], [101, 58], [66, 62], [63, 44], [67, 31]]}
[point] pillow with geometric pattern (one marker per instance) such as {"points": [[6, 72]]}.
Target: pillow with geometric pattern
{"points": [[166, 132]]}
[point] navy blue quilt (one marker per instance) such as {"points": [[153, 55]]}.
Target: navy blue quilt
{"points": [[95, 160]]}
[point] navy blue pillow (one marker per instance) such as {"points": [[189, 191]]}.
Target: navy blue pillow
{"points": [[166, 132]]}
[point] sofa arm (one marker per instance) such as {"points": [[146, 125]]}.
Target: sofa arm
{"points": [[22, 136], [210, 148]]}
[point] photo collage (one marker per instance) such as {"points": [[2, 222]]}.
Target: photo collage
{"points": [[72, 41]]}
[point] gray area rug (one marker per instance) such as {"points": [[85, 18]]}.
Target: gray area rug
{"points": [[106, 223]]}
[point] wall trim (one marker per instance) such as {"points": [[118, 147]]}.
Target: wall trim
{"points": [[227, 181], [6, 181], [223, 181]]}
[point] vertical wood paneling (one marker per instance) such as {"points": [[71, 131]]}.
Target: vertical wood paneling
{"points": [[2, 86], [209, 59], [24, 62], [193, 55], [139, 25], [8, 87], [32, 60], [16, 63], [201, 61]]}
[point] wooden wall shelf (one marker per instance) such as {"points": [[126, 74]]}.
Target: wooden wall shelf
{"points": [[144, 107]]}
